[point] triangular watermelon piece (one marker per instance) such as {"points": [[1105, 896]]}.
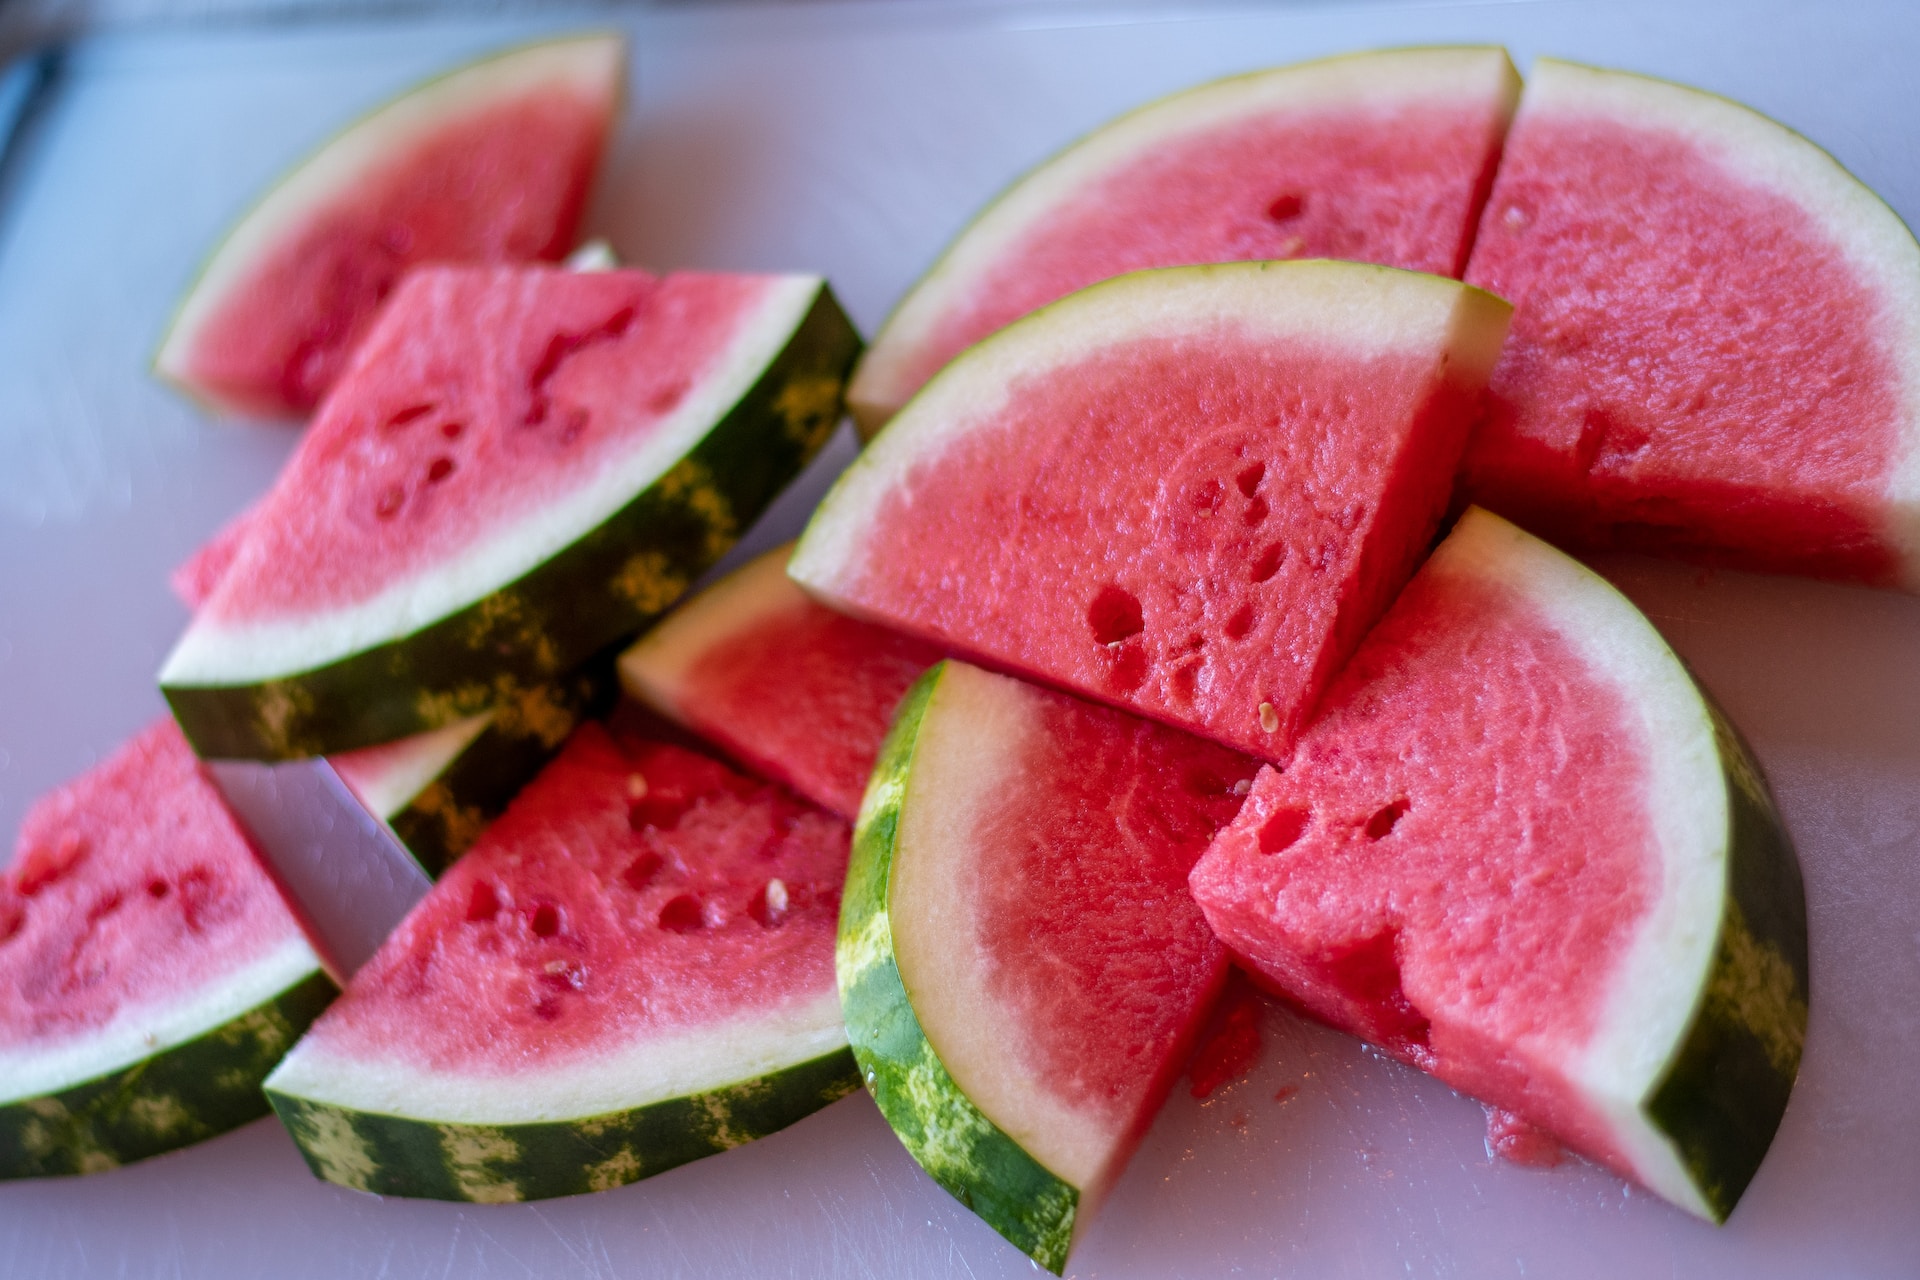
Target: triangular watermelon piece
{"points": [[492, 162], [151, 975], [631, 969], [1521, 850], [1714, 343], [522, 466], [1186, 492], [1023, 970], [793, 690]]}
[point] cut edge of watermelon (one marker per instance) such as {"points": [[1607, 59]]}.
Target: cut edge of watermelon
{"points": [[1761, 151], [146, 1031], [386, 778], [592, 62], [880, 385], [213, 655], [1662, 976], [1368, 310], [659, 1068]]}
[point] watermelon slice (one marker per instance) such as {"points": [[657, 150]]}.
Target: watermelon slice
{"points": [[1187, 492], [796, 692], [631, 969], [1376, 157], [150, 974], [1022, 968], [1716, 347], [490, 163], [522, 466], [1521, 850]]}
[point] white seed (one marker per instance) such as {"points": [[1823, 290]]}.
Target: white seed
{"points": [[1243, 786], [776, 896], [636, 786], [1269, 718]]}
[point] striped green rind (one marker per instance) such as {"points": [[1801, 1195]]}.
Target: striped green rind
{"points": [[495, 1164], [607, 585], [173, 1099], [1726, 1089], [449, 813], [961, 1148]]}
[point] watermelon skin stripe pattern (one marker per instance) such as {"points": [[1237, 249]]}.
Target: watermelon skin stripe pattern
{"points": [[606, 586], [964, 1151], [444, 818], [1726, 1090], [498, 1164], [183, 1095]]}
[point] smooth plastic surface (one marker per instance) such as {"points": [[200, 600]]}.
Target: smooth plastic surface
{"points": [[853, 141]]}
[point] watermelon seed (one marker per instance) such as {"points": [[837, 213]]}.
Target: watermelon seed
{"points": [[1382, 822], [389, 504], [1287, 207], [1243, 786], [770, 907], [1269, 562], [439, 469], [636, 786], [409, 414], [682, 915], [1282, 829], [1269, 718], [1114, 616], [546, 920], [1515, 217]]}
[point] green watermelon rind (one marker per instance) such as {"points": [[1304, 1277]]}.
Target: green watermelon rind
{"points": [[1725, 1090], [498, 1164], [609, 583], [177, 1097], [946, 1134]]}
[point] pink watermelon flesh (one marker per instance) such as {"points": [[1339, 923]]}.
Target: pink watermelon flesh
{"points": [[1447, 875], [414, 458], [195, 578], [805, 697], [1232, 514], [633, 888], [1693, 367], [506, 184], [1400, 187], [131, 890]]}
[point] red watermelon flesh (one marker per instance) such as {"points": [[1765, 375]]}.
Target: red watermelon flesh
{"points": [[1712, 347], [491, 164], [1382, 158], [193, 580], [799, 693], [414, 460], [1184, 492], [632, 891], [133, 894]]}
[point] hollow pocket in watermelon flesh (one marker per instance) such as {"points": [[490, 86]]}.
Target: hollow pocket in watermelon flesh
{"points": [[492, 162], [1521, 850], [1716, 347], [632, 968], [793, 690], [1375, 157], [150, 974], [1186, 492], [1022, 968], [522, 466]]}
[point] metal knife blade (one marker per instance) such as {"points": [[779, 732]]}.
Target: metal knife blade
{"points": [[349, 878]]}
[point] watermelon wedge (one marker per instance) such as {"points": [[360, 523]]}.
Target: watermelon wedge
{"points": [[150, 974], [631, 969], [1716, 347], [1374, 157], [522, 466], [1022, 968], [1521, 850], [795, 691], [1186, 492], [492, 162]]}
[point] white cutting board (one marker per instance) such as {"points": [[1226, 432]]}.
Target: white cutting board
{"points": [[854, 140]]}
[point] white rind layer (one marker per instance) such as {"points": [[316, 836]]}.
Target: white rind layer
{"points": [[1379, 81], [1765, 154], [1360, 312], [386, 778], [966, 761], [654, 669], [214, 653], [147, 1030], [593, 66], [1662, 978], [655, 1068]]}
